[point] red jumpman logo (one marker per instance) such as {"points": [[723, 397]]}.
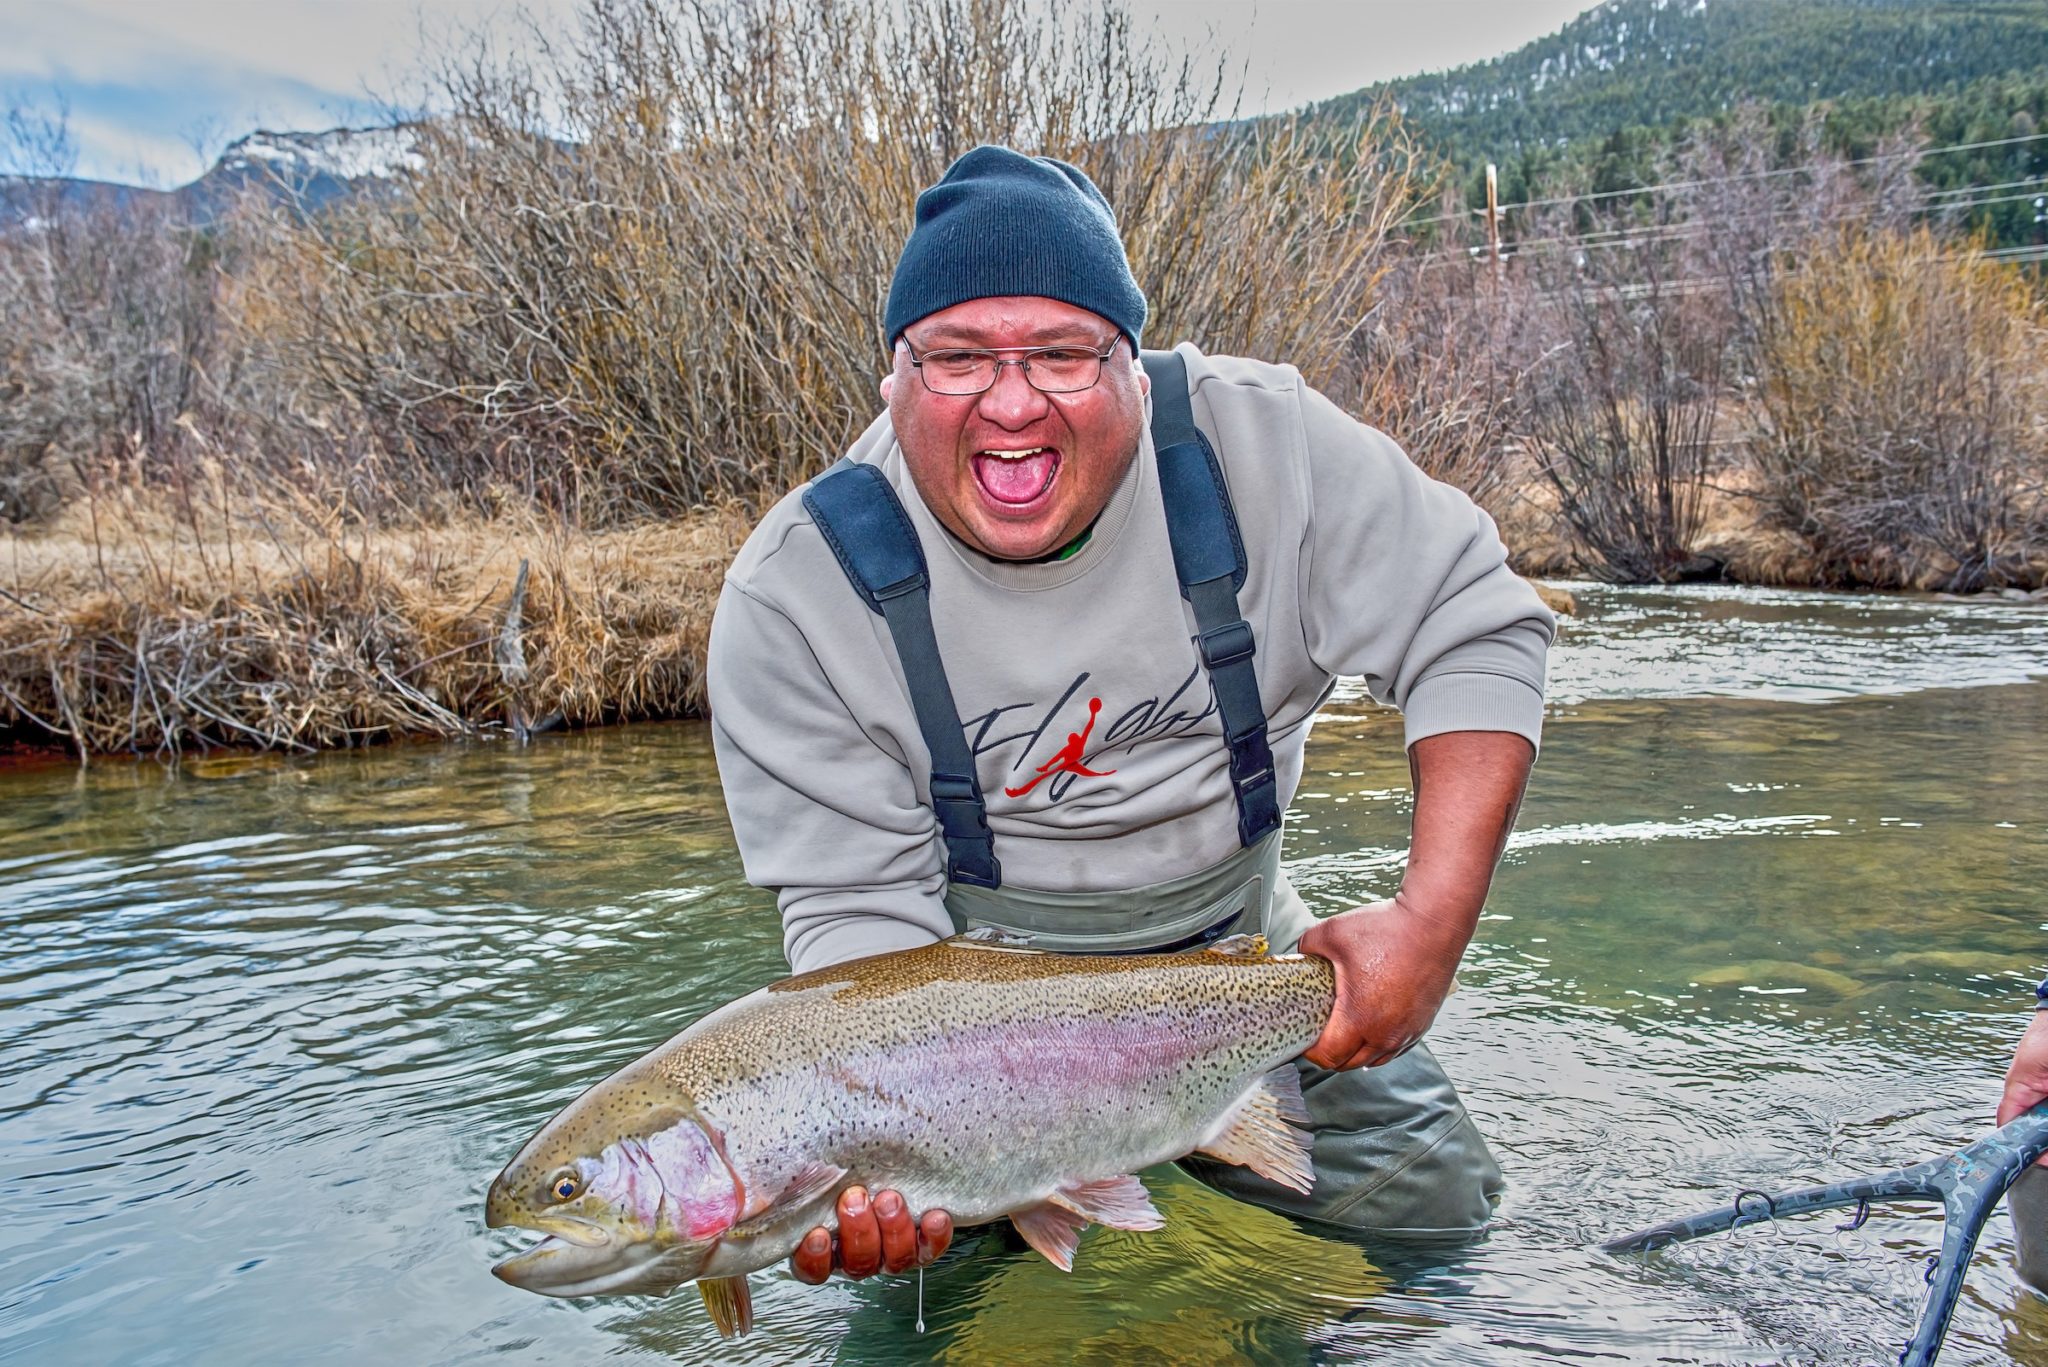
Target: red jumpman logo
{"points": [[1068, 760]]}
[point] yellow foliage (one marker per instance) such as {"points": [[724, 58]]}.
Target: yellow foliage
{"points": [[1901, 403]]}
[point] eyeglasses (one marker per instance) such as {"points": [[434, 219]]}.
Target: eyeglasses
{"points": [[1048, 369]]}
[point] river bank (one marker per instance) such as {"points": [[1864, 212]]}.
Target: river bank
{"points": [[127, 628], [131, 625]]}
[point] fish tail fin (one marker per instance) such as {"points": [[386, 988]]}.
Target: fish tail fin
{"points": [[730, 1304], [1266, 1131]]}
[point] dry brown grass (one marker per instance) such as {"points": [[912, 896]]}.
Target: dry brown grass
{"points": [[129, 625]]}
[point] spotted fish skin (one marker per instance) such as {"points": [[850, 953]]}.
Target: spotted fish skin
{"points": [[978, 1077]]}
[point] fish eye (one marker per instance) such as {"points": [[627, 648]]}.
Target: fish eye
{"points": [[563, 1186]]}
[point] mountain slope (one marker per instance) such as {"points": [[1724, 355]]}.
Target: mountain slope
{"points": [[1648, 63], [309, 168]]}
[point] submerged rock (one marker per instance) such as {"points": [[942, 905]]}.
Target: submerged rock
{"points": [[1777, 974]]}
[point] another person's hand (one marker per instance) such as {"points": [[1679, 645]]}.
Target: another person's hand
{"points": [[1394, 968], [874, 1236], [2026, 1082]]}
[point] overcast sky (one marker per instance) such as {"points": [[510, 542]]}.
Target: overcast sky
{"points": [[154, 88]]}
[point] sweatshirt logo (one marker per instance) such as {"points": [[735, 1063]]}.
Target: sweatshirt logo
{"points": [[1166, 716], [1068, 760]]}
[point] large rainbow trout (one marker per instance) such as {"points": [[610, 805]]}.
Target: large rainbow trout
{"points": [[976, 1075]]}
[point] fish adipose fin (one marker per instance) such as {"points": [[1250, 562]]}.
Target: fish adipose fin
{"points": [[1260, 1132], [989, 937], [1117, 1202], [811, 1181], [730, 1303], [1053, 1230], [1239, 947]]}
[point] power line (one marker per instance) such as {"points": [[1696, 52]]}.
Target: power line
{"points": [[2002, 185], [1741, 175], [1630, 235]]}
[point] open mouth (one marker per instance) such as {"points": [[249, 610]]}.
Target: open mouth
{"points": [[1016, 478], [556, 1266], [563, 1266], [570, 1253]]}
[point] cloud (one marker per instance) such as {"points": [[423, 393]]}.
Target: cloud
{"points": [[149, 77], [117, 149], [145, 83]]}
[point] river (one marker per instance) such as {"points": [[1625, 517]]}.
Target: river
{"points": [[1772, 916]]}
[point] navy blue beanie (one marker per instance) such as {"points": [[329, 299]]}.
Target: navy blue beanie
{"points": [[1001, 223]]}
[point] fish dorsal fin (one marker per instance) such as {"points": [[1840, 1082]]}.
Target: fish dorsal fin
{"points": [[992, 937], [811, 1181], [1251, 946], [1054, 1231], [1260, 1131], [730, 1304], [1117, 1202]]}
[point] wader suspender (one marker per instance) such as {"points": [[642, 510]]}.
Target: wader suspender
{"points": [[1208, 559], [866, 527], [863, 522]]}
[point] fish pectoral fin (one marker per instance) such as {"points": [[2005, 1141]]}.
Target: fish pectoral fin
{"points": [[811, 1181], [730, 1303], [1054, 1231], [1261, 1132], [1117, 1202], [1238, 947]]}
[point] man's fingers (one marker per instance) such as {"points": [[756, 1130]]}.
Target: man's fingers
{"points": [[860, 1239], [934, 1236], [812, 1261], [899, 1234]]}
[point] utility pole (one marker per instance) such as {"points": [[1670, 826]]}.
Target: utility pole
{"points": [[1493, 219]]}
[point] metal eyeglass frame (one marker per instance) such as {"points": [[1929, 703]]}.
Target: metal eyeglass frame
{"points": [[1023, 363]]}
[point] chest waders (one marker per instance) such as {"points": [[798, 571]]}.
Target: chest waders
{"points": [[1395, 1153]]}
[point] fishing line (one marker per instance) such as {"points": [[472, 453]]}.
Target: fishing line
{"points": [[920, 1300]]}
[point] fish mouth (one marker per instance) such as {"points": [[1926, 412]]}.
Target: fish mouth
{"points": [[566, 1264], [577, 1257]]}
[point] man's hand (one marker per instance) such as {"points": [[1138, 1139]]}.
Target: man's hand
{"points": [[1394, 968], [2026, 1082], [1395, 960], [874, 1236]]}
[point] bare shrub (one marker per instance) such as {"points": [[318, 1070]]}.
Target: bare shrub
{"points": [[1442, 361], [1622, 404], [1900, 409], [110, 301], [648, 271], [1747, 200]]}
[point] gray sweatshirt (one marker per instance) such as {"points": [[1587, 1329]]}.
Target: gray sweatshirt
{"points": [[1360, 565]]}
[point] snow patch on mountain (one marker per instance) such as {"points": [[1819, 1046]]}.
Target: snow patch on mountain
{"points": [[340, 153]]}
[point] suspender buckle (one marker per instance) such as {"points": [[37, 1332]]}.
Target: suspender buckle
{"points": [[958, 803], [1251, 761], [1227, 644], [963, 822]]}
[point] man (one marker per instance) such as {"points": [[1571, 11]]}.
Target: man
{"points": [[2026, 1086], [1016, 441]]}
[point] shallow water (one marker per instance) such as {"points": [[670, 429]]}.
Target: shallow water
{"points": [[271, 1025]]}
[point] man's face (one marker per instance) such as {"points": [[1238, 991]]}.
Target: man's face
{"points": [[1014, 473]]}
